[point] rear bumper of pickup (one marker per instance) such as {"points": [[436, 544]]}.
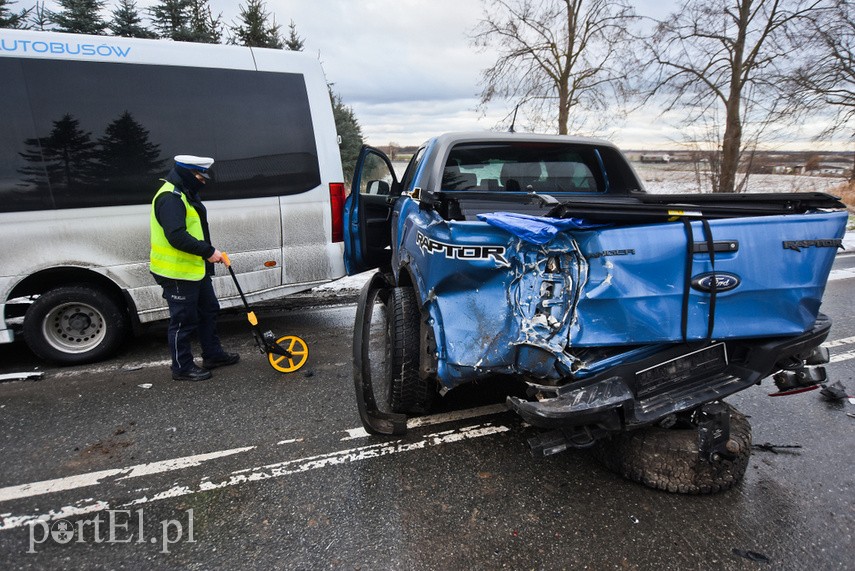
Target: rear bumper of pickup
{"points": [[624, 396]]}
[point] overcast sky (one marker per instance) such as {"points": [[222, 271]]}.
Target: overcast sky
{"points": [[407, 69], [406, 66]]}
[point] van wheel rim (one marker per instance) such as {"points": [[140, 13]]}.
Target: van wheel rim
{"points": [[74, 328]]}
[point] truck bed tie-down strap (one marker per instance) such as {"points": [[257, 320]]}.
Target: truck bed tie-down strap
{"points": [[687, 282]]}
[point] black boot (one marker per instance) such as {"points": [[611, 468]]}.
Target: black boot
{"points": [[194, 373]]}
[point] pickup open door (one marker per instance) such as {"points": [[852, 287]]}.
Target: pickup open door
{"points": [[367, 212]]}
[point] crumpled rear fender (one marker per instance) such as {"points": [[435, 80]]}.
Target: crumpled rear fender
{"points": [[494, 303]]}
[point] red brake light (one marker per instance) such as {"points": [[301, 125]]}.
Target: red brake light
{"points": [[337, 206]]}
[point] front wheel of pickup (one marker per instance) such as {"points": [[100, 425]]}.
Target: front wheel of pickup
{"points": [[409, 393], [668, 459]]}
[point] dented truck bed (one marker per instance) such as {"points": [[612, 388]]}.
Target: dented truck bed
{"points": [[618, 308]]}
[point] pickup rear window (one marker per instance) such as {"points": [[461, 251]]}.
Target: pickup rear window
{"points": [[537, 167]]}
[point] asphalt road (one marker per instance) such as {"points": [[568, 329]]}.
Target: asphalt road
{"points": [[256, 469]]}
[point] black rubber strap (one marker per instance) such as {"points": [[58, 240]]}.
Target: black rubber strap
{"points": [[713, 285], [687, 281]]}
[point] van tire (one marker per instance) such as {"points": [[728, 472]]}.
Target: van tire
{"points": [[667, 458], [73, 325], [409, 394]]}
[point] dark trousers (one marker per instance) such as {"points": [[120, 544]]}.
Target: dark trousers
{"points": [[193, 308]]}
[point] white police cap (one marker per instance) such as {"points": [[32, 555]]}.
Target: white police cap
{"points": [[192, 162]]}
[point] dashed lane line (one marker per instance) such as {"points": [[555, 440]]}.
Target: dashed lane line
{"points": [[260, 473], [94, 478]]}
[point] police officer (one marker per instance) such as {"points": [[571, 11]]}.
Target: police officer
{"points": [[182, 262]]}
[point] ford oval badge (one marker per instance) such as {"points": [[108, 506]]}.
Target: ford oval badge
{"points": [[723, 281]]}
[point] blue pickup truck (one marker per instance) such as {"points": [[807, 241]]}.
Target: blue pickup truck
{"points": [[543, 258]]}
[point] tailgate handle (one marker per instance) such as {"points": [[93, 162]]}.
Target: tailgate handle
{"points": [[722, 246]]}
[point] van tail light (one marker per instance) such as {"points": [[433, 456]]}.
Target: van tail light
{"points": [[337, 205]]}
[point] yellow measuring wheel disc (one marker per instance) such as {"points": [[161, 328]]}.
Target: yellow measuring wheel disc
{"points": [[299, 354]]}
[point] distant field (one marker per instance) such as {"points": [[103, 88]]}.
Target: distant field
{"points": [[666, 179]]}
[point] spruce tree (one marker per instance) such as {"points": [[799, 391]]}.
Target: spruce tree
{"points": [[79, 17], [294, 42], [171, 19], [10, 19], [253, 28], [39, 18], [350, 131], [127, 21], [203, 26]]}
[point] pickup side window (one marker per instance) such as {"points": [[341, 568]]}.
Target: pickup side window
{"points": [[376, 179], [533, 167], [412, 169]]}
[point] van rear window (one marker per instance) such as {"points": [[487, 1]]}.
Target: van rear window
{"points": [[79, 134]]}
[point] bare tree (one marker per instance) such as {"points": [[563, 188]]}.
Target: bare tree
{"points": [[561, 61], [722, 62], [826, 79]]}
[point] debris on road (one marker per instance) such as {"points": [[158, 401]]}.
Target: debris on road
{"points": [[145, 386], [751, 555], [834, 392], [776, 448]]}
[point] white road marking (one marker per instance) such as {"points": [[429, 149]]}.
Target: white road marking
{"points": [[839, 342], [443, 418], [844, 274], [94, 478], [260, 473], [842, 357]]}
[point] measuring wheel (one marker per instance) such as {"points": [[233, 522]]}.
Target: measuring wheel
{"points": [[299, 354]]}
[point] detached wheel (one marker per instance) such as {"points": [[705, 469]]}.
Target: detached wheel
{"points": [[667, 458], [409, 393], [74, 325]]}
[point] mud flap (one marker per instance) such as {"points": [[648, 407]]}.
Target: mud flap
{"points": [[373, 419]]}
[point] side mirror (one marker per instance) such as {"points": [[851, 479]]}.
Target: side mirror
{"points": [[378, 187]]}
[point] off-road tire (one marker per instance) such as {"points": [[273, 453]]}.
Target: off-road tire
{"points": [[667, 458], [409, 394], [73, 325]]}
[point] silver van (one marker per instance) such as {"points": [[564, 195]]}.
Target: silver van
{"points": [[90, 124]]}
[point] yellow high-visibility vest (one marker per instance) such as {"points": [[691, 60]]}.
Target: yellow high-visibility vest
{"points": [[167, 261]]}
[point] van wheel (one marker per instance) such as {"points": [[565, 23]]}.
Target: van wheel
{"points": [[409, 393], [74, 325], [667, 458]]}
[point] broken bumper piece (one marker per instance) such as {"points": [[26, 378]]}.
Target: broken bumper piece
{"points": [[677, 379]]}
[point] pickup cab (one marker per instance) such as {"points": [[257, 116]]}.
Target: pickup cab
{"points": [[543, 258]]}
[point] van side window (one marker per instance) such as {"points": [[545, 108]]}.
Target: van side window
{"points": [[110, 132], [22, 170]]}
